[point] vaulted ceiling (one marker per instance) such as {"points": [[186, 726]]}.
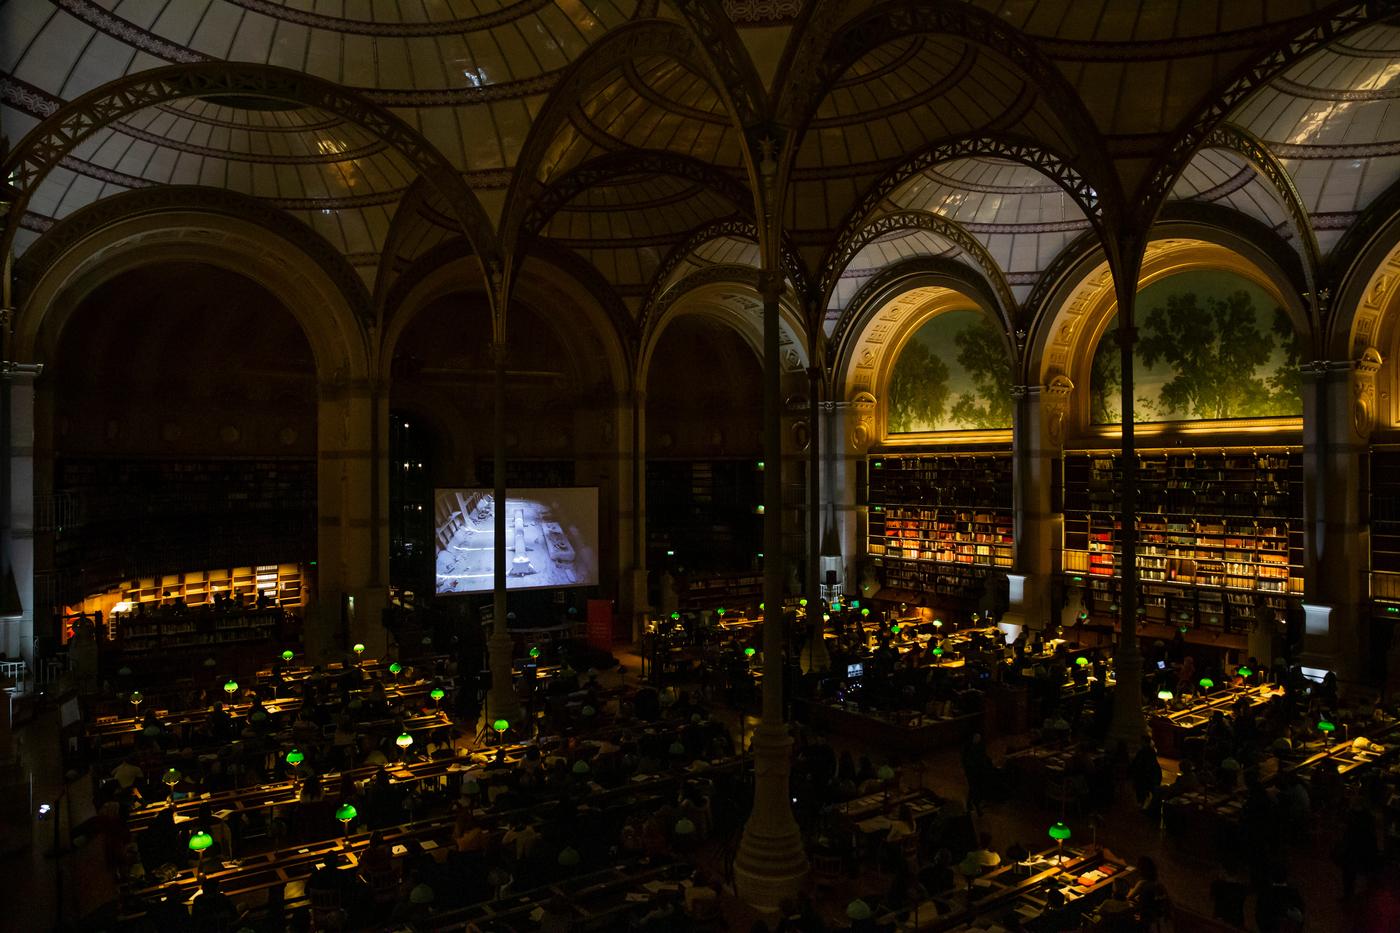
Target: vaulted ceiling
{"points": [[998, 134]]}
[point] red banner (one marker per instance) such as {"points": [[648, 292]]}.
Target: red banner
{"points": [[600, 623]]}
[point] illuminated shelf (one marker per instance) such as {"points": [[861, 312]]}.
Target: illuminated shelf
{"points": [[1220, 534], [939, 524]]}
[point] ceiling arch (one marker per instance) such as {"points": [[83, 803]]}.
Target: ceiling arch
{"points": [[40, 152]]}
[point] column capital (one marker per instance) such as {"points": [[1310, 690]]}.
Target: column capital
{"points": [[770, 286]]}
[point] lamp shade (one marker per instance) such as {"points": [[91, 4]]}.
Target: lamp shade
{"points": [[295, 757], [395, 667], [677, 749], [1082, 661], [675, 617], [893, 628], [886, 773], [568, 857], [865, 612], [581, 767], [938, 651], [534, 651], [359, 648], [802, 602], [210, 662], [287, 655], [171, 777], [136, 698], [200, 841], [750, 651], [346, 812], [404, 740], [937, 623], [437, 693], [230, 686], [589, 711], [720, 611], [1207, 683], [858, 910], [1164, 694], [1244, 671], [500, 725], [1326, 726], [1059, 832], [685, 827]]}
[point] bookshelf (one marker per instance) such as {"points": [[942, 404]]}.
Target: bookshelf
{"points": [[706, 512], [144, 517], [1385, 533], [1220, 534], [731, 591], [938, 524]]}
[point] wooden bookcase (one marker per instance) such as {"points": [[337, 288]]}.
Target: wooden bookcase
{"points": [[1220, 534], [938, 524], [1385, 533]]}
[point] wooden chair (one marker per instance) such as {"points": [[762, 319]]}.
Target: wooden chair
{"points": [[326, 911]]}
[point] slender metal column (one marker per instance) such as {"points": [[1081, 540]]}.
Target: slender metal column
{"points": [[503, 702], [817, 657], [1128, 724], [770, 864]]}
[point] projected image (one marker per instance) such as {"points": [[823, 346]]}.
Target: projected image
{"points": [[551, 539]]}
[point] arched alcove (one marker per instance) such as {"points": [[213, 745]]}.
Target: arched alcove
{"points": [[703, 442], [179, 417]]}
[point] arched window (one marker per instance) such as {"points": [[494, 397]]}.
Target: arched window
{"points": [[1212, 345], [953, 374]]}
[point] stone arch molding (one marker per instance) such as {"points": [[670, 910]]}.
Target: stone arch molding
{"points": [[338, 343], [46, 145], [1063, 344], [591, 331], [1366, 329], [730, 296], [880, 332]]}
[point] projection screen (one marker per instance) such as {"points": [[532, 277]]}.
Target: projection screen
{"points": [[551, 539]]}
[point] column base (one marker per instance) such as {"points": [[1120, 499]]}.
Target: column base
{"points": [[770, 866], [502, 702]]}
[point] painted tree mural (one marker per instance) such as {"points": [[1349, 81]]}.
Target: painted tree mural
{"points": [[952, 375], [1211, 346]]}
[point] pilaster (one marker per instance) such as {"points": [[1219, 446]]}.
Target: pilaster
{"points": [[352, 520], [1339, 412], [1038, 433]]}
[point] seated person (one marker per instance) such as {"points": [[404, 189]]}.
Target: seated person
{"points": [[980, 860], [212, 909]]}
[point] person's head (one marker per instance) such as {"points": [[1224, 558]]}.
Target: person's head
{"points": [[1054, 899], [1147, 868], [376, 838], [210, 886]]}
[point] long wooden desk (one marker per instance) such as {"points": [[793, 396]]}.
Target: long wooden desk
{"points": [[1016, 893], [251, 877]]}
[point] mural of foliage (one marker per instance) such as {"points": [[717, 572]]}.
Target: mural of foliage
{"points": [[1210, 347], [953, 374], [918, 389]]}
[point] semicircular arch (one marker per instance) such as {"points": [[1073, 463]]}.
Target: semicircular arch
{"points": [[338, 342]]}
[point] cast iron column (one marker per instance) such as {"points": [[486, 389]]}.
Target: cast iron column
{"points": [[770, 865], [1128, 723], [817, 657], [502, 703]]}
